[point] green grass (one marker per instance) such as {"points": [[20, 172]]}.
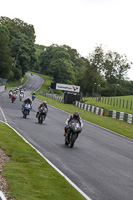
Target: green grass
{"points": [[118, 106], [28, 175], [16, 83]]}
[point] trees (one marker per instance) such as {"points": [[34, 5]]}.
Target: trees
{"points": [[21, 38], [5, 57]]}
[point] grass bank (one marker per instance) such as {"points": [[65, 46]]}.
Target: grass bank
{"points": [[121, 103], [28, 175], [16, 83]]}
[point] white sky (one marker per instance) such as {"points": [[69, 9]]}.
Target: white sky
{"points": [[80, 24]]}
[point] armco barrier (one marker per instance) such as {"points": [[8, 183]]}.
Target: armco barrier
{"points": [[54, 96], [94, 109], [121, 116], [2, 88]]}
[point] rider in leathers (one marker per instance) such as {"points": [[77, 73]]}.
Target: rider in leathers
{"points": [[73, 119], [44, 104]]}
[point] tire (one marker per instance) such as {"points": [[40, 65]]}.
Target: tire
{"points": [[66, 141], [40, 119], [72, 140]]}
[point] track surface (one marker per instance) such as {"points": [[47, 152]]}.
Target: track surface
{"points": [[100, 163]]}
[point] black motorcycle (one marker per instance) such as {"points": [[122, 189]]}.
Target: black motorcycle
{"points": [[42, 115], [72, 134]]}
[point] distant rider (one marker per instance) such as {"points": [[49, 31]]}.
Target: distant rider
{"points": [[75, 118], [33, 96]]}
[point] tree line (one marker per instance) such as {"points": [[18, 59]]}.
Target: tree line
{"points": [[17, 50], [101, 72]]}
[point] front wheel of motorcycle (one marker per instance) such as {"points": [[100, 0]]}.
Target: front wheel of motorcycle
{"points": [[72, 140], [66, 141]]}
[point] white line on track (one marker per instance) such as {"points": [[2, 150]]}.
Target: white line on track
{"points": [[3, 115], [2, 197]]}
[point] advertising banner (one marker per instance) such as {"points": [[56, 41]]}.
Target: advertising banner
{"points": [[65, 87]]}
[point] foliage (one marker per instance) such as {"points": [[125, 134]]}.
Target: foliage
{"points": [[5, 57], [21, 38]]}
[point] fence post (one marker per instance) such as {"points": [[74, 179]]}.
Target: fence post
{"points": [[131, 105], [123, 103], [114, 102], [127, 105]]}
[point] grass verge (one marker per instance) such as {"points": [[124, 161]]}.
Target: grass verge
{"points": [[16, 83], [28, 175]]}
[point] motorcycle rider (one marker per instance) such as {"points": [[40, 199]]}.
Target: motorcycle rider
{"points": [[44, 104], [33, 95], [26, 101], [21, 94], [10, 93], [75, 118]]}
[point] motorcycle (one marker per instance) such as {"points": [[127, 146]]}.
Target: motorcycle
{"points": [[26, 110], [21, 96], [33, 97], [10, 93], [72, 134], [13, 98], [42, 115]]}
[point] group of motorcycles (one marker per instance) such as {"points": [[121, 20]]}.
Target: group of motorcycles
{"points": [[73, 130], [13, 94], [26, 108]]}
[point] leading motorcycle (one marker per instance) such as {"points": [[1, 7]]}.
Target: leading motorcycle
{"points": [[42, 114], [72, 134]]}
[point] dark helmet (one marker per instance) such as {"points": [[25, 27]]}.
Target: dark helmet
{"points": [[76, 114]]}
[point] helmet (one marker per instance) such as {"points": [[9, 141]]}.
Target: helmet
{"points": [[76, 114], [44, 103]]}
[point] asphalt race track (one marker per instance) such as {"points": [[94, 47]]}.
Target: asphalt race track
{"points": [[100, 163]]}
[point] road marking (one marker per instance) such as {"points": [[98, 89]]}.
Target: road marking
{"points": [[2, 197], [3, 115]]}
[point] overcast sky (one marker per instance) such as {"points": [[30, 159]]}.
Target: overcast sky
{"points": [[80, 24]]}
